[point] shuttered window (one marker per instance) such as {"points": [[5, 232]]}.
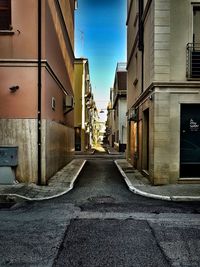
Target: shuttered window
{"points": [[5, 14]]}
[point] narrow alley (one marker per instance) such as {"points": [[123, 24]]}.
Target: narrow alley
{"points": [[100, 223], [100, 133], [118, 228]]}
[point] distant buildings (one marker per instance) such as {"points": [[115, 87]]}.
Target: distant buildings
{"points": [[116, 124], [163, 64], [110, 136], [36, 88], [85, 108]]}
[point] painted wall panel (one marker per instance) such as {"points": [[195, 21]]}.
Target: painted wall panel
{"points": [[22, 133], [59, 146], [23, 102]]}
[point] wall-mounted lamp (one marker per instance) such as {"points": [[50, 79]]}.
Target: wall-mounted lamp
{"points": [[14, 88], [151, 97]]}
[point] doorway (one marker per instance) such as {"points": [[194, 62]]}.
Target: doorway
{"points": [[77, 138], [190, 141]]}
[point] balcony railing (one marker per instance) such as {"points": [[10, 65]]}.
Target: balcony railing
{"points": [[193, 60]]}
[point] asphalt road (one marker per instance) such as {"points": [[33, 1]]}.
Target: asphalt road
{"points": [[100, 223], [100, 187]]}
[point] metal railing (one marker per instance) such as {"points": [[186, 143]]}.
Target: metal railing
{"points": [[193, 61]]}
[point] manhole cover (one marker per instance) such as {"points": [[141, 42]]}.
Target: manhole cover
{"points": [[101, 199]]}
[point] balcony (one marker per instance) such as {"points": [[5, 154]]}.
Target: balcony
{"points": [[193, 61], [121, 66]]}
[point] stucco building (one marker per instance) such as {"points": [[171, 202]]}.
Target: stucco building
{"points": [[110, 121], [36, 88], [163, 64], [119, 107]]}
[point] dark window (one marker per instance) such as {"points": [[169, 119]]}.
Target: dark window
{"points": [[5, 14], [196, 21]]}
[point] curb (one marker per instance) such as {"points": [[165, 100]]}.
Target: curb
{"points": [[48, 197], [151, 195]]}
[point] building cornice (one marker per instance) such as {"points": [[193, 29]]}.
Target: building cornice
{"points": [[177, 84], [34, 63], [174, 88]]}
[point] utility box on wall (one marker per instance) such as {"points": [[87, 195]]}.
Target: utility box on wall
{"points": [[8, 156], [8, 160]]}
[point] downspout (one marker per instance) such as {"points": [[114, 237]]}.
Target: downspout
{"points": [[39, 89], [141, 40]]}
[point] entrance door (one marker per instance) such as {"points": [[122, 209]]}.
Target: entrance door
{"points": [[190, 141]]}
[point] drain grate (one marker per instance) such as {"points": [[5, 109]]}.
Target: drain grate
{"points": [[101, 199]]}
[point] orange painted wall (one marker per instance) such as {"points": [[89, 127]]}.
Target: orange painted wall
{"points": [[18, 67], [23, 102], [23, 44]]}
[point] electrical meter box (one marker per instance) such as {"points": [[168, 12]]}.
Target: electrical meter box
{"points": [[8, 156], [8, 160]]}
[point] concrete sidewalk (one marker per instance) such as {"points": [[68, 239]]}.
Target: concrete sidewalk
{"points": [[87, 152], [138, 184], [61, 183], [112, 151]]}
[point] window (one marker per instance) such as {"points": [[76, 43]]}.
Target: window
{"points": [[5, 14], [196, 21]]}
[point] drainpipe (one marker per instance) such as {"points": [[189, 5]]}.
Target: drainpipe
{"points": [[141, 40], [39, 89]]}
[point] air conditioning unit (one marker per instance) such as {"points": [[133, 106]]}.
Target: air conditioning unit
{"points": [[68, 103]]}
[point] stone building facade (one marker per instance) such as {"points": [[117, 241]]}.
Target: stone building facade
{"points": [[119, 107], [163, 64]]}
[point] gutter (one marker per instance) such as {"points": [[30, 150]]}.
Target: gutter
{"points": [[141, 40], [39, 89]]}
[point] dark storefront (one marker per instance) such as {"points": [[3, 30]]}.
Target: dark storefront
{"points": [[190, 141]]}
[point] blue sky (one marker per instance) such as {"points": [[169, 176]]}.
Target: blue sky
{"points": [[100, 36]]}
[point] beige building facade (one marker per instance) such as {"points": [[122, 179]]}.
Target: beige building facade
{"points": [[119, 107], [110, 121], [163, 64], [36, 85]]}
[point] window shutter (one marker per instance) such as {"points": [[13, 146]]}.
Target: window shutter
{"points": [[5, 14]]}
